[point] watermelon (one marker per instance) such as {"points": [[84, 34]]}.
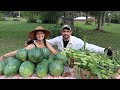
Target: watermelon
{"points": [[9, 59], [42, 69], [44, 62], [12, 67], [46, 52], [2, 66], [35, 55], [22, 54], [26, 69], [61, 57], [56, 68], [51, 58]]}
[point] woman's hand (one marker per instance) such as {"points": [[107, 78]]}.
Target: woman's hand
{"points": [[2, 58], [49, 46]]}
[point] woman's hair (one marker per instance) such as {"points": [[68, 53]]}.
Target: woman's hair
{"points": [[44, 41], [29, 41]]}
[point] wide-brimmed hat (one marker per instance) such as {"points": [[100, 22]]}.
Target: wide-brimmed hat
{"points": [[39, 28]]}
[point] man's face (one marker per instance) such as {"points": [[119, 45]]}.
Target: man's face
{"points": [[66, 34]]}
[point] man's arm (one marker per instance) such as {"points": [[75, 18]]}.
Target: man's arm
{"points": [[53, 41], [90, 47], [95, 48]]}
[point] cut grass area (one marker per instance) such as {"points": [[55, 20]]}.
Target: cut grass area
{"points": [[108, 38], [13, 34]]}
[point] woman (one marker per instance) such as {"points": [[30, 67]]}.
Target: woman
{"points": [[39, 35]]}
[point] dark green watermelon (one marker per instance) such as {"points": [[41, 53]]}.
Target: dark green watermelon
{"points": [[35, 55], [44, 62], [6, 61], [26, 69], [22, 54], [51, 56], [46, 53], [56, 68], [9, 59], [61, 57], [2, 66], [42, 69], [12, 67]]}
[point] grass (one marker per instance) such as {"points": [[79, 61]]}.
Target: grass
{"points": [[13, 34], [108, 38]]}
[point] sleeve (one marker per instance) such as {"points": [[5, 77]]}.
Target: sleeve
{"points": [[53, 41], [94, 48]]}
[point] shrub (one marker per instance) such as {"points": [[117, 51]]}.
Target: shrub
{"points": [[55, 31], [39, 21], [32, 20], [16, 19], [1, 18], [89, 21], [76, 31]]}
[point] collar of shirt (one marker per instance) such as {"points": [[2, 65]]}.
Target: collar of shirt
{"points": [[70, 40]]}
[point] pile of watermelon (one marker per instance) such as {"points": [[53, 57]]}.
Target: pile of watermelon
{"points": [[37, 60]]}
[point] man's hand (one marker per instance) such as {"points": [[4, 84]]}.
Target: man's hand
{"points": [[110, 52]]}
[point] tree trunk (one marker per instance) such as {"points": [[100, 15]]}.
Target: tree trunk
{"points": [[81, 13], [110, 18], [69, 18], [86, 17], [99, 22], [103, 19], [19, 14]]}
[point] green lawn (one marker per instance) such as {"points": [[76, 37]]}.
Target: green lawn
{"points": [[110, 37], [13, 34]]}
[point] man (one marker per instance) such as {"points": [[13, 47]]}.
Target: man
{"points": [[66, 40]]}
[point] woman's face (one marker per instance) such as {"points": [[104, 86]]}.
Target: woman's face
{"points": [[40, 35]]}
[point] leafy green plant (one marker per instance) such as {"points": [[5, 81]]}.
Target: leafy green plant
{"points": [[16, 19], [55, 31], [89, 22], [76, 31], [1, 17], [116, 56]]}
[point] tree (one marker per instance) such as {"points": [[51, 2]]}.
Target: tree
{"points": [[115, 17], [69, 18], [31, 16], [100, 16], [87, 13], [51, 16], [103, 20]]}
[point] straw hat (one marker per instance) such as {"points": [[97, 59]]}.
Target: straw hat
{"points": [[39, 28]]}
